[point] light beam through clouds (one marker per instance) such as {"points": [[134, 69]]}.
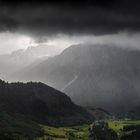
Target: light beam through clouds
{"points": [[10, 42]]}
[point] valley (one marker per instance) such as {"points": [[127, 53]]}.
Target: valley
{"points": [[101, 101], [69, 70], [35, 111], [116, 130], [17, 128]]}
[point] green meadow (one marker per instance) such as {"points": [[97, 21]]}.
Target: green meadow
{"points": [[81, 132], [65, 133], [118, 125]]}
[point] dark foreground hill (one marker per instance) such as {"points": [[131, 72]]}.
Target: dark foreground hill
{"points": [[41, 103], [16, 127]]}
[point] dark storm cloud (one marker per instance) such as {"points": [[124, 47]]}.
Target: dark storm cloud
{"points": [[71, 18]]}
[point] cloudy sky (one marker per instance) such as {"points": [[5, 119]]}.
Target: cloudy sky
{"points": [[27, 23]]}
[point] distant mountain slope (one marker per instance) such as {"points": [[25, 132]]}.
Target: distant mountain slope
{"points": [[10, 63], [41, 103], [134, 113], [99, 113], [92, 75], [17, 60]]}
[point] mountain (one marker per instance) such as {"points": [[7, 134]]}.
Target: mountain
{"points": [[99, 113], [41, 103], [101, 76], [20, 59]]}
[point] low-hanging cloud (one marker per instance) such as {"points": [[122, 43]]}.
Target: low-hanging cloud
{"points": [[52, 19]]}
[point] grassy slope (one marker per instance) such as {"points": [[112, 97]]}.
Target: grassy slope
{"points": [[81, 132], [118, 125], [66, 133], [19, 128]]}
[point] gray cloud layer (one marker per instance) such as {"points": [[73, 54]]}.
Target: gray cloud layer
{"points": [[51, 19]]}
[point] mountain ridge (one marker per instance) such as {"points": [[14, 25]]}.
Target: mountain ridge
{"points": [[107, 76], [41, 103]]}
